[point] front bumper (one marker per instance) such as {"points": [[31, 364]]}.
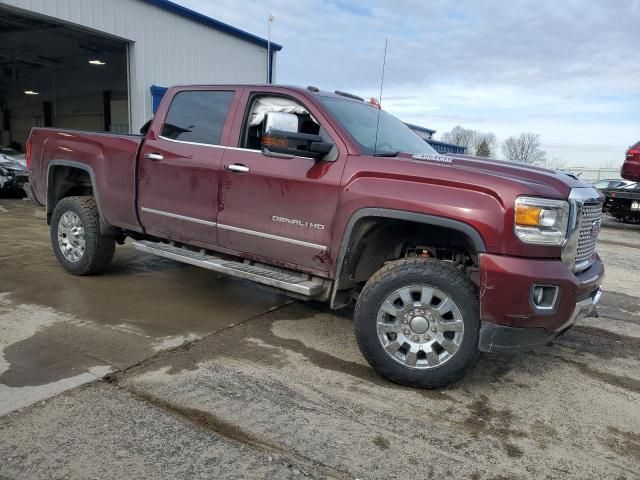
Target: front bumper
{"points": [[503, 339], [13, 183], [510, 319]]}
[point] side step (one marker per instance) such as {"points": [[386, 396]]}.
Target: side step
{"points": [[301, 284]]}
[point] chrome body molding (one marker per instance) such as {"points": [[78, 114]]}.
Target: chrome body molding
{"points": [[177, 216], [231, 228], [272, 237]]}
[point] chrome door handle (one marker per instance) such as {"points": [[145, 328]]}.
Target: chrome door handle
{"points": [[153, 156], [236, 167]]}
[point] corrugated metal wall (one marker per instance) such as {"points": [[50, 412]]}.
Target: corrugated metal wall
{"points": [[165, 49]]}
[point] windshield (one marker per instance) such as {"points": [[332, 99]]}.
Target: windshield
{"points": [[360, 120]]}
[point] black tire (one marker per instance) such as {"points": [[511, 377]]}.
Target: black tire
{"points": [[98, 251], [401, 273]]}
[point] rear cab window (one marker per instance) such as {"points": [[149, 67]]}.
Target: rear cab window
{"points": [[197, 116]]}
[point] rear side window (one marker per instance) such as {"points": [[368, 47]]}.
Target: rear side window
{"points": [[197, 116]]}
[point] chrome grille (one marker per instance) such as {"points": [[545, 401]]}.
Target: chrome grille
{"points": [[591, 213]]}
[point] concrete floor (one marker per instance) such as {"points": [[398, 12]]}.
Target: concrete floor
{"points": [[159, 370]]}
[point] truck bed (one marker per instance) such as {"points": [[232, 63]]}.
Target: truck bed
{"points": [[109, 160]]}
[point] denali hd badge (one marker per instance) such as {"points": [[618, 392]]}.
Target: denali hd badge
{"points": [[432, 158], [295, 221]]}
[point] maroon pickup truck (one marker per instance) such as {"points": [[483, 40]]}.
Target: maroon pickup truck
{"points": [[327, 197]]}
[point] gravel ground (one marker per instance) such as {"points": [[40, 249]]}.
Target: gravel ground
{"points": [[278, 389]]}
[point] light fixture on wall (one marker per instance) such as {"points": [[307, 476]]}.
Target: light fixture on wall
{"points": [[31, 92], [97, 62]]}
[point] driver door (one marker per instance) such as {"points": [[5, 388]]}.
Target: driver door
{"points": [[273, 207]]}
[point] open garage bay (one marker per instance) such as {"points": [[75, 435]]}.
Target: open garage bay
{"points": [[56, 75]]}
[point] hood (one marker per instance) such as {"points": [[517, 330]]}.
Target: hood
{"points": [[536, 179], [13, 163]]}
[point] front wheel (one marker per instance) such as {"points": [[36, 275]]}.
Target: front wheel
{"points": [[417, 323], [76, 239]]}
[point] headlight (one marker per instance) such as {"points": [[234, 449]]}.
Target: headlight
{"points": [[541, 221]]}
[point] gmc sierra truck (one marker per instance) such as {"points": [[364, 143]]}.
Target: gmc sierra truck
{"points": [[624, 202], [328, 197]]}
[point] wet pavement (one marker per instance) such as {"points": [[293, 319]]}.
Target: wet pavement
{"points": [[203, 376], [59, 330]]}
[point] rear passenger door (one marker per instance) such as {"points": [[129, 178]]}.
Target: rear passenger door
{"points": [[179, 165]]}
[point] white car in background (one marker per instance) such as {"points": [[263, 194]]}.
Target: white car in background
{"points": [[13, 171], [611, 183]]}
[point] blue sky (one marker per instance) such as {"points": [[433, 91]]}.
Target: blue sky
{"points": [[568, 70]]}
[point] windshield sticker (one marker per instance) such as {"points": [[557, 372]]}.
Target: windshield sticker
{"points": [[432, 158]]}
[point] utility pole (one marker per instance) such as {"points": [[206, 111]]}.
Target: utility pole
{"points": [[269, 22]]}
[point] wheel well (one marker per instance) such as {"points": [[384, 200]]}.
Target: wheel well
{"points": [[66, 181], [373, 241]]}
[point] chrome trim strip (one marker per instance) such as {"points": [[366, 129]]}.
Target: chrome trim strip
{"points": [[226, 147], [272, 237], [179, 217], [553, 302], [235, 229], [208, 145]]}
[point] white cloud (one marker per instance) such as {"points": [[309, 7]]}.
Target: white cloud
{"points": [[566, 70]]}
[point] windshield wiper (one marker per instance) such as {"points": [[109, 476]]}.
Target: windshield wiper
{"points": [[386, 154]]}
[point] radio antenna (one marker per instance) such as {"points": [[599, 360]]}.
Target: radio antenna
{"points": [[384, 63]]}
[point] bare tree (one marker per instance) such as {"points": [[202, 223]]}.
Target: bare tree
{"points": [[471, 140], [459, 136], [556, 162], [524, 148]]}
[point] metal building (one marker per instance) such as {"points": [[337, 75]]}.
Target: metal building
{"points": [[441, 147], [90, 64]]}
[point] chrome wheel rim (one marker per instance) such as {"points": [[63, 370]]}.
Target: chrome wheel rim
{"points": [[71, 238], [420, 327]]}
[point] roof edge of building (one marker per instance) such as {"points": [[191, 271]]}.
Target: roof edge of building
{"points": [[418, 127], [212, 23]]}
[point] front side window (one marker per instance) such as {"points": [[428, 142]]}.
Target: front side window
{"points": [[376, 131], [197, 116], [254, 127]]}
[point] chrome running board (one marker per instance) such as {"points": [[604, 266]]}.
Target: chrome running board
{"points": [[301, 284]]}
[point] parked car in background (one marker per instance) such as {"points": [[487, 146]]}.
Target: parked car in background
{"points": [[329, 198], [624, 202], [631, 166], [611, 183], [13, 171]]}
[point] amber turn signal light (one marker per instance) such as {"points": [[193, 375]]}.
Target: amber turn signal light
{"points": [[528, 216]]}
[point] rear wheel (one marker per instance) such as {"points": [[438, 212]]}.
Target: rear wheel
{"points": [[76, 239], [417, 323]]}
